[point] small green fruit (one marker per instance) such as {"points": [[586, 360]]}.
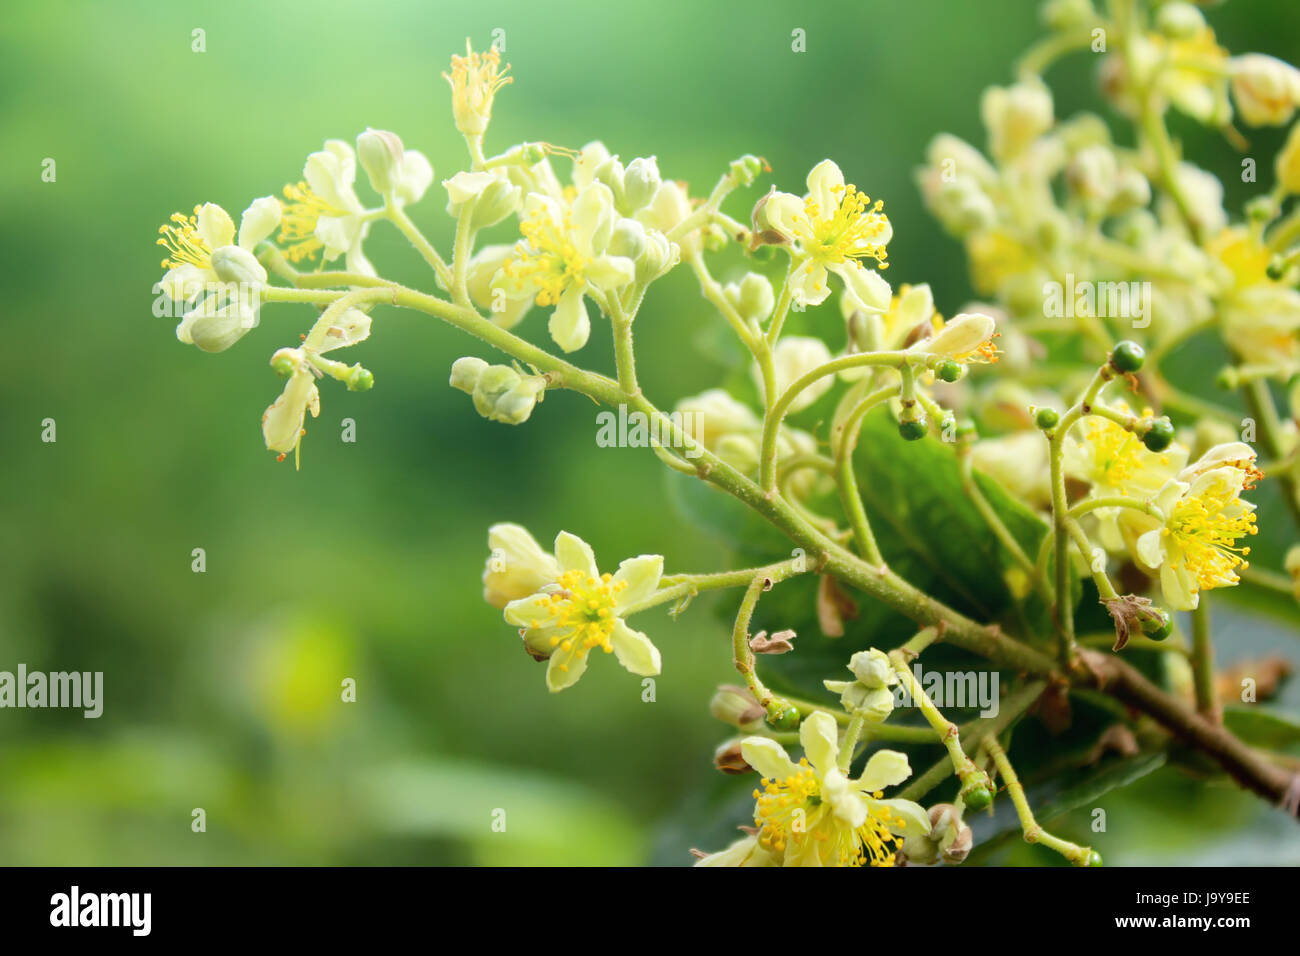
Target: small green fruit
{"points": [[978, 797], [912, 430], [1128, 357], [948, 370], [783, 717], [1160, 435], [1046, 418], [1158, 629]]}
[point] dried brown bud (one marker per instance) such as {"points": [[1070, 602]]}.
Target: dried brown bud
{"points": [[729, 759]]}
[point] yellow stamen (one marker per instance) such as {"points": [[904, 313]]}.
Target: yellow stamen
{"points": [[547, 258], [299, 217], [183, 243]]}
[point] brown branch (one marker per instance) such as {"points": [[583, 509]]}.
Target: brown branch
{"points": [[1117, 678]]}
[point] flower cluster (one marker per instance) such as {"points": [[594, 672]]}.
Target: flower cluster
{"points": [[1098, 260]]}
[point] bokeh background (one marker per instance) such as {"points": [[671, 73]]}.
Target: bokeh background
{"points": [[222, 688]]}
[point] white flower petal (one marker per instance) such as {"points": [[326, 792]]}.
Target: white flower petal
{"points": [[768, 758], [634, 650], [569, 325], [819, 736], [565, 667], [885, 769], [574, 554], [640, 577]]}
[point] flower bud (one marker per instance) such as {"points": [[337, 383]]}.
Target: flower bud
{"points": [[729, 759], [764, 231], [1092, 174], [793, 357], [1015, 116], [628, 239], [1292, 564], [873, 668], [1179, 21], [641, 180], [669, 207], [1266, 89], [746, 169], [1287, 163], [657, 258], [465, 373], [611, 173], [588, 160], [235, 264], [503, 395], [517, 567], [752, 297], [381, 155], [736, 706], [1068, 14]]}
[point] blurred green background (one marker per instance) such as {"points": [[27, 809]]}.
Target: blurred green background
{"points": [[222, 688]]}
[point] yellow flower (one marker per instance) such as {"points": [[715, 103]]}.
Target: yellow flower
{"points": [[1113, 461], [835, 226], [563, 258], [812, 814], [1196, 547], [583, 611]]}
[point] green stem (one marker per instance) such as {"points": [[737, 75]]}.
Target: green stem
{"points": [[1203, 662], [1034, 833]]}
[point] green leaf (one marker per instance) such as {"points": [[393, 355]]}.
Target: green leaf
{"points": [[1263, 728]]}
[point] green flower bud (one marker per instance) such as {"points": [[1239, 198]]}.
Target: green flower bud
{"points": [[1159, 435], [641, 180], [628, 239], [746, 169], [658, 256], [610, 172], [500, 393], [235, 264], [752, 297], [496, 202], [465, 373], [873, 668], [1094, 858], [1046, 418], [380, 154]]}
